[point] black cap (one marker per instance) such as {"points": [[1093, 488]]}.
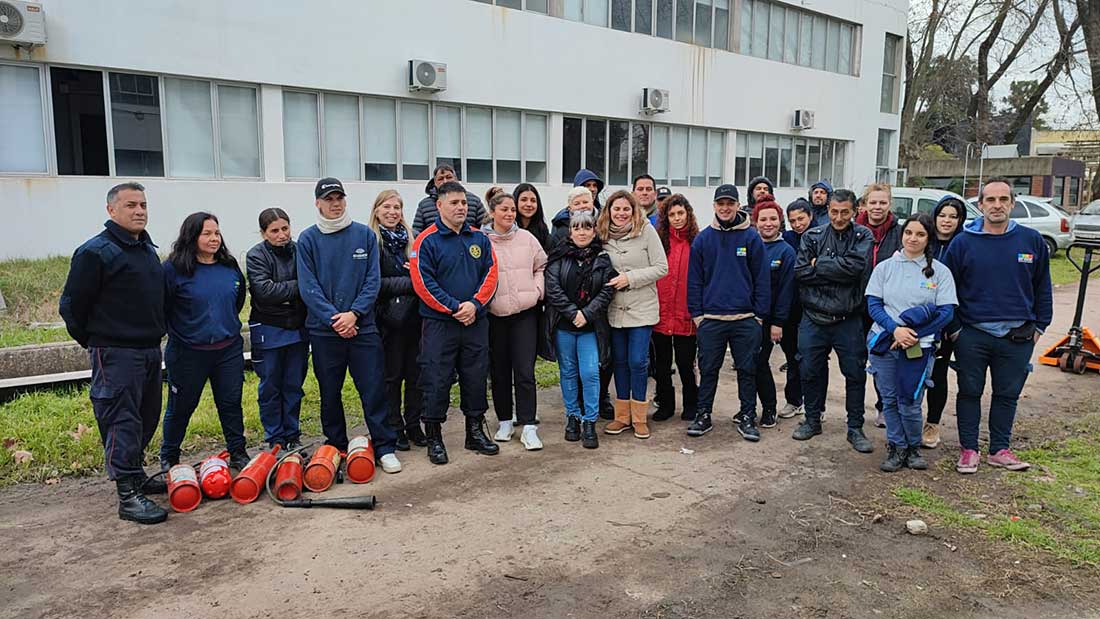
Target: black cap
{"points": [[726, 191], [663, 192], [328, 185]]}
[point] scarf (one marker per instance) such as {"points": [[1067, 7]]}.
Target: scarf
{"points": [[586, 262], [878, 231], [328, 226], [616, 233], [394, 241]]}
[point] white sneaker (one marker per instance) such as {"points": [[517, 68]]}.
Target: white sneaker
{"points": [[790, 410], [504, 432], [530, 438], [390, 463]]}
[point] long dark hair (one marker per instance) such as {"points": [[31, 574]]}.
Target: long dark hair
{"points": [[537, 225], [930, 229], [676, 199], [184, 254]]}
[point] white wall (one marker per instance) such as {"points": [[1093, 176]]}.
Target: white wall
{"points": [[496, 57]]}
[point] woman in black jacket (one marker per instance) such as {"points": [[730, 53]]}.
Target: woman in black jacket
{"points": [[398, 314], [280, 348], [577, 296], [949, 217]]}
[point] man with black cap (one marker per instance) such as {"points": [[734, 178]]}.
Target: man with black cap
{"points": [[339, 279], [663, 193], [728, 293]]}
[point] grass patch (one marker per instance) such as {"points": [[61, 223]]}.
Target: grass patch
{"points": [[31, 290], [1062, 272]]}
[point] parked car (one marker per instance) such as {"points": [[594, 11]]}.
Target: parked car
{"points": [[907, 201], [1085, 225], [1038, 213]]}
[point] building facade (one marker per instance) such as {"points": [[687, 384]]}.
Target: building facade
{"points": [[232, 107], [1058, 178]]}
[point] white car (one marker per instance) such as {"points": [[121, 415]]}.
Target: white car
{"points": [[907, 201], [1085, 225], [1037, 213]]}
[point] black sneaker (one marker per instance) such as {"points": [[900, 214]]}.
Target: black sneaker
{"points": [[573, 429], [747, 430], [895, 459], [737, 419], [701, 425], [806, 430], [859, 441], [767, 419], [914, 459]]}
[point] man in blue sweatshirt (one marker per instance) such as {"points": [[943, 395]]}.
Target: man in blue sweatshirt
{"points": [[728, 296], [1002, 277], [339, 279], [454, 273], [113, 305]]}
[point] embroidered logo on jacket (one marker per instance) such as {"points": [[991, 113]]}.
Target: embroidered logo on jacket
{"points": [[742, 251], [778, 262], [929, 285], [360, 254], [1025, 258], [475, 251]]}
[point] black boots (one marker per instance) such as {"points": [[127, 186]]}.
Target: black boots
{"points": [[239, 459], [437, 451], [914, 459], [859, 441], [588, 435], [132, 504], [416, 435], [477, 440], [895, 459], [806, 430], [572, 429]]}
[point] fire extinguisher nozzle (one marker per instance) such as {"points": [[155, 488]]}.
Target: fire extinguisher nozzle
{"points": [[351, 502]]}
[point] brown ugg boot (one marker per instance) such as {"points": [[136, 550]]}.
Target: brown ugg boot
{"points": [[638, 412], [622, 418]]}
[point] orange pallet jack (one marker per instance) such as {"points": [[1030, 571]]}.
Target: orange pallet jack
{"points": [[1079, 350]]}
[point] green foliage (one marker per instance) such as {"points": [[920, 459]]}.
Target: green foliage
{"points": [[1019, 92]]}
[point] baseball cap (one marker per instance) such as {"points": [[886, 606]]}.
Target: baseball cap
{"points": [[663, 192], [726, 191], [328, 185]]}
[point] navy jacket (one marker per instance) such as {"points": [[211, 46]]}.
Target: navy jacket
{"points": [[338, 273], [821, 213], [781, 262], [114, 294], [450, 268], [204, 307], [729, 272]]}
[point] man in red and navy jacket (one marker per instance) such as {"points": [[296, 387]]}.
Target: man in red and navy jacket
{"points": [[454, 273]]}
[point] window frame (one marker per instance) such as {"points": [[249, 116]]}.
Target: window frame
{"points": [[48, 142]]}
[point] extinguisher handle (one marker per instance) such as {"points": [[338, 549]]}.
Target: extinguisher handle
{"points": [[352, 502]]}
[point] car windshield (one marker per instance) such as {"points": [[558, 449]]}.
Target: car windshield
{"points": [[1093, 208]]}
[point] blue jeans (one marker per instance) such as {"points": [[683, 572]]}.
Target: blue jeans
{"points": [[904, 422], [630, 351], [188, 370], [1008, 363], [814, 344], [579, 357], [742, 337], [281, 372], [361, 356]]}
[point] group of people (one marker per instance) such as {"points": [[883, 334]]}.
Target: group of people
{"points": [[477, 289]]}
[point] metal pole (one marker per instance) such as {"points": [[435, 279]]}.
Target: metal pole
{"points": [[981, 166], [966, 165]]}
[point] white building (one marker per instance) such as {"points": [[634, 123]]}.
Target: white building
{"points": [[235, 106]]}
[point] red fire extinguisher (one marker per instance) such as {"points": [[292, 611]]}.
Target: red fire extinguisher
{"points": [[249, 482], [214, 476], [320, 472], [184, 494]]}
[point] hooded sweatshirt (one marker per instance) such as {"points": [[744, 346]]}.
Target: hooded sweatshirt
{"points": [[750, 202], [729, 274], [821, 213], [939, 248], [583, 177], [1002, 280]]}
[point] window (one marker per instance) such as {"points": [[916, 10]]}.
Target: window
{"points": [[1059, 189], [539, 6], [135, 125], [595, 146], [80, 122], [684, 20], [511, 4], [722, 24], [890, 57], [639, 149], [302, 153], [703, 14], [813, 161], [620, 14], [665, 14], [534, 136], [845, 61], [760, 13], [817, 60], [790, 37], [902, 208], [756, 155], [839, 163], [883, 154], [658, 154], [588, 11], [240, 131], [618, 172], [832, 47], [479, 145], [379, 139], [643, 17], [798, 178], [741, 159], [190, 123], [784, 177], [924, 205], [22, 120], [697, 157], [414, 141], [677, 156], [1074, 197], [1034, 210], [776, 40], [507, 145], [341, 136], [448, 138], [1019, 211], [571, 148], [746, 26], [771, 156], [805, 38], [716, 156], [827, 160]]}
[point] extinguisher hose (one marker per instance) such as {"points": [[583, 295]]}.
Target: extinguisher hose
{"points": [[366, 501]]}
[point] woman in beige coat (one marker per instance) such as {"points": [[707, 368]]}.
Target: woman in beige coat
{"points": [[639, 257]]}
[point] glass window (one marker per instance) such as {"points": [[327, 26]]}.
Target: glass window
{"points": [[901, 207], [573, 9], [813, 161], [832, 46], [798, 176], [784, 178], [790, 37], [479, 145], [741, 159], [882, 151], [595, 146], [570, 148], [827, 160], [643, 16], [639, 149], [684, 20], [678, 155], [716, 156], [1019, 211], [658, 154], [887, 103], [22, 121], [756, 155], [534, 147], [239, 131], [697, 157], [379, 139], [79, 121], [190, 124], [538, 6], [448, 138], [746, 26], [342, 136], [618, 172], [818, 59], [760, 29], [805, 38], [838, 164], [1059, 188], [595, 12], [1034, 210], [722, 24], [702, 22], [135, 123], [506, 146], [665, 15], [771, 156], [620, 15], [511, 4], [775, 35], [924, 205], [300, 135], [1074, 191], [414, 141], [844, 65]]}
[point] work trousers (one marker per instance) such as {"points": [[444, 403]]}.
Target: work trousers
{"points": [[188, 370], [126, 398], [446, 346], [334, 357], [742, 338]]}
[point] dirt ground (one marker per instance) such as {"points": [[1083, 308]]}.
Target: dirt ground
{"points": [[635, 528]]}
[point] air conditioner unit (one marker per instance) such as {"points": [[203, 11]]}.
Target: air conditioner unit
{"points": [[427, 75], [803, 119], [654, 100], [22, 24]]}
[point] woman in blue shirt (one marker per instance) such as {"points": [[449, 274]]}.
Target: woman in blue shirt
{"points": [[280, 348], [204, 294]]}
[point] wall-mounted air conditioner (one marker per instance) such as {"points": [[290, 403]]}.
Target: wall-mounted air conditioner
{"points": [[426, 75], [22, 24], [803, 119], [654, 100]]}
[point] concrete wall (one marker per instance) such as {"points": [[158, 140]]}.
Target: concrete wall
{"points": [[496, 57]]}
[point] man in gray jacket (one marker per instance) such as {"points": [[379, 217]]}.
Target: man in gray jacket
{"points": [[427, 211]]}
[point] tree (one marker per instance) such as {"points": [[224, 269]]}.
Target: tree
{"points": [[1020, 91]]}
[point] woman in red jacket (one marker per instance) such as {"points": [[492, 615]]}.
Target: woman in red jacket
{"points": [[674, 335]]}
